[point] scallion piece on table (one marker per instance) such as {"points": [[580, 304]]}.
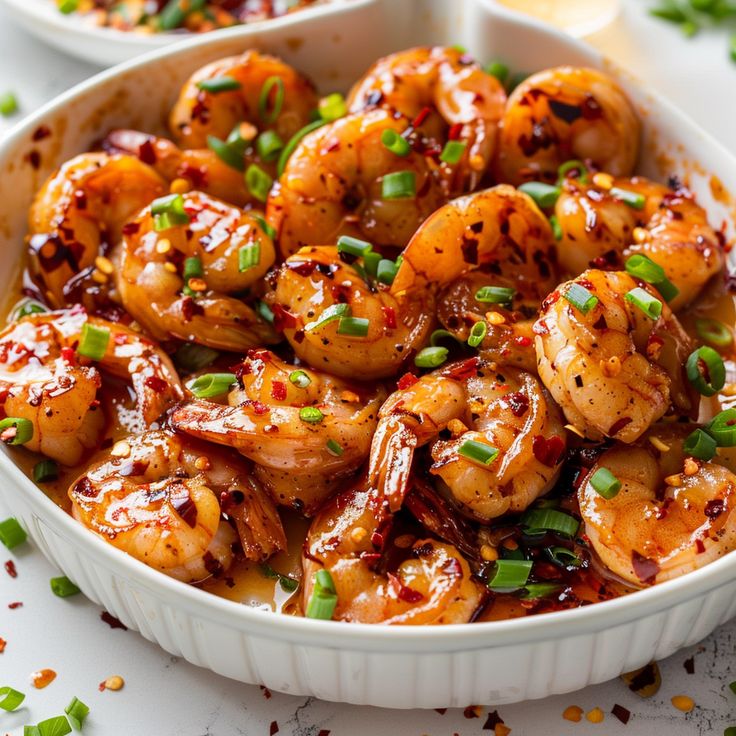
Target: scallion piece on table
{"points": [[633, 199], [12, 533], [643, 300], [300, 379], [269, 145], [714, 332], [10, 699], [16, 430], [478, 452], [477, 334], [332, 107], [249, 256], [323, 601], [216, 85], [395, 143], [398, 185], [453, 151], [67, 6], [510, 574], [56, 726], [706, 371], [311, 415], [545, 195], [536, 520], [269, 109], [331, 314], [431, 357], [45, 471], [63, 587], [76, 712], [209, 385], [353, 246], [722, 428], [700, 444], [8, 104], [605, 483], [580, 298], [495, 295], [353, 326], [258, 182]]}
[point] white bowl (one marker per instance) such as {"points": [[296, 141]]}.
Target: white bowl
{"points": [[78, 35], [398, 667]]}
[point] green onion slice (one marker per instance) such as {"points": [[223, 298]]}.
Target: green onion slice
{"points": [[12, 533], [386, 271], [453, 151], [395, 143], [573, 165], [229, 154], [332, 107], [605, 483], [633, 199], [554, 223], [300, 379], [76, 712], [537, 520], [644, 268], [216, 85], [168, 212], [353, 326], [353, 246], [8, 104], [510, 574], [258, 182], [722, 428], [63, 587], [210, 385], [56, 726], [334, 448], [265, 312], [332, 313], [477, 334], [478, 452], [431, 357], [93, 341], [191, 357], [499, 70], [23, 430], [532, 591], [495, 295], [311, 415], [714, 332], [700, 444], [269, 145], [26, 307], [563, 557], [45, 471], [268, 111], [398, 185], [249, 256], [10, 699], [294, 141], [641, 298], [323, 601], [706, 371], [545, 195], [268, 229], [580, 298]]}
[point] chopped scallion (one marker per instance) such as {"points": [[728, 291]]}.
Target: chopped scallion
{"points": [[580, 298], [532, 591], [398, 185], [332, 107], [536, 520], [269, 145], [495, 295], [633, 199], [353, 326], [269, 110], [499, 70], [230, 154], [714, 332], [63, 587], [477, 334], [605, 483], [510, 575], [574, 165], [76, 712], [209, 385], [706, 371], [563, 557], [294, 141], [722, 428], [334, 448], [300, 379], [258, 182], [10, 699], [453, 151], [12, 533], [8, 104], [311, 415], [219, 84], [700, 444], [45, 471], [353, 246], [16, 430], [332, 313], [545, 195], [395, 143], [386, 271], [478, 452], [431, 357], [249, 256], [641, 298], [323, 601]]}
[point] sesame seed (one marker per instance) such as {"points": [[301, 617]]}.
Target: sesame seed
{"points": [[495, 318], [99, 277], [197, 284], [170, 267], [358, 534], [202, 463], [163, 246], [180, 186], [602, 180], [121, 449], [488, 553], [641, 235], [661, 446], [456, 427], [595, 716], [673, 480], [683, 703], [104, 265], [690, 466]]}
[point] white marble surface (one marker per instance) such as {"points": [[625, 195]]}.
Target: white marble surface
{"points": [[165, 696]]}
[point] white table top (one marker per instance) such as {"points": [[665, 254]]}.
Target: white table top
{"points": [[164, 695]]}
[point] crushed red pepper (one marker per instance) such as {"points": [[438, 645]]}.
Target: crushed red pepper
{"points": [[112, 622], [10, 569]]}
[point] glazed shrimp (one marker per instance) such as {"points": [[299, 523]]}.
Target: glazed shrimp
{"points": [[667, 519], [502, 409], [43, 379], [613, 369], [333, 185], [157, 497], [151, 266], [80, 212], [185, 169], [566, 113], [433, 585], [449, 90], [270, 94], [301, 430], [670, 228]]}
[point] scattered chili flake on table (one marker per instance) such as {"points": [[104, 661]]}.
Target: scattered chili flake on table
{"points": [[623, 714], [41, 678], [441, 711], [266, 692], [324, 732], [14, 605], [274, 728], [492, 721], [645, 681], [573, 713], [3, 644], [473, 711], [689, 665], [10, 569], [113, 622]]}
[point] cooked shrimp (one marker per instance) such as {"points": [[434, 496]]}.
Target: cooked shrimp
{"points": [[503, 410], [422, 81], [80, 212], [670, 228], [157, 497], [151, 266], [290, 420], [45, 380], [613, 369], [199, 168], [316, 279], [433, 585], [333, 185], [269, 94], [566, 113], [663, 522]]}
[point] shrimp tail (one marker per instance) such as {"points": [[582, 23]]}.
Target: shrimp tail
{"points": [[392, 454]]}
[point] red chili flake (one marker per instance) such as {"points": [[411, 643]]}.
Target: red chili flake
{"points": [[68, 355], [13, 606], [492, 721], [10, 569], [453, 567], [377, 539], [266, 692], [404, 592], [689, 665], [654, 346], [43, 131], [523, 341], [454, 132], [283, 320], [80, 199], [699, 546], [548, 451], [156, 384], [324, 732], [714, 508], [131, 228], [618, 425], [274, 728], [421, 117], [112, 622], [600, 323], [644, 568], [389, 315], [34, 158], [441, 711], [257, 406], [3, 644], [147, 153], [370, 558], [407, 380], [186, 508], [472, 711], [464, 370], [518, 403], [623, 714], [278, 390]]}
